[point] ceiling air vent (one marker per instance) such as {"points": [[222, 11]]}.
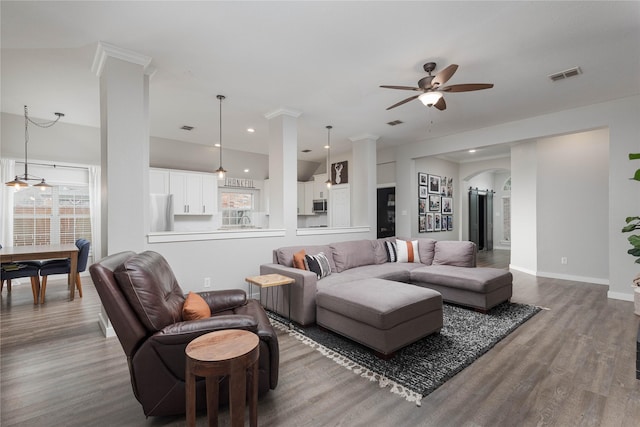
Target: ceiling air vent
{"points": [[572, 72], [306, 151], [395, 122], [185, 127]]}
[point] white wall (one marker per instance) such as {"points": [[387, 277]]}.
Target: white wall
{"points": [[524, 222], [62, 143], [572, 208]]}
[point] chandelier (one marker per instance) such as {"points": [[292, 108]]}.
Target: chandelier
{"points": [[22, 181]]}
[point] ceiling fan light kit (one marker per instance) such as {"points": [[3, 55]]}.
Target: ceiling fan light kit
{"points": [[431, 87], [430, 98]]}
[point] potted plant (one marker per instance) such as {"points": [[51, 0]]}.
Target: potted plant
{"points": [[633, 223]]}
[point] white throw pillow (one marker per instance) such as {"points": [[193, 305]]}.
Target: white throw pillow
{"points": [[407, 251]]}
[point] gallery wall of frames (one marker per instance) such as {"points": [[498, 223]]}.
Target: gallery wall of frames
{"points": [[435, 203]]}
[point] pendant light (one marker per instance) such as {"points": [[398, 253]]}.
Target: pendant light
{"points": [[328, 147], [220, 171], [22, 181]]}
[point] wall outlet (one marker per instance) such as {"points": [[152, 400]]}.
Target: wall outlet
{"points": [[207, 282], [563, 260]]}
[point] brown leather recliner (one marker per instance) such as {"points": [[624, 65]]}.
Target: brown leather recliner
{"points": [[144, 303]]}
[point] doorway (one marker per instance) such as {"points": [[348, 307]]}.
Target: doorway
{"points": [[386, 212], [481, 218]]}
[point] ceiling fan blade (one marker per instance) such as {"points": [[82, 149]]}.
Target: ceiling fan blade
{"points": [[440, 105], [401, 87], [411, 98], [443, 76], [466, 87]]}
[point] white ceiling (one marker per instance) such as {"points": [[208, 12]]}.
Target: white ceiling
{"points": [[324, 59]]}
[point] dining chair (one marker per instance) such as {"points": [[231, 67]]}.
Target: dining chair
{"points": [[63, 266], [16, 270]]}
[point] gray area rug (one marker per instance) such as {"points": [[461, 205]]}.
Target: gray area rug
{"points": [[420, 368]]}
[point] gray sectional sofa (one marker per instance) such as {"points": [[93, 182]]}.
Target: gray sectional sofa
{"points": [[448, 267]]}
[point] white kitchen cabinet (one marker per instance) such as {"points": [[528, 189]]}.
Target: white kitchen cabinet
{"points": [[320, 187], [340, 206], [309, 188], [193, 193], [158, 181]]}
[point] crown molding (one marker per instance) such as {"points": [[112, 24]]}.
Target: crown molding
{"points": [[283, 112], [105, 50]]}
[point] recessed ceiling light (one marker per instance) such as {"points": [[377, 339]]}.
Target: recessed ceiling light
{"points": [[251, 130], [472, 151], [217, 144], [246, 171]]}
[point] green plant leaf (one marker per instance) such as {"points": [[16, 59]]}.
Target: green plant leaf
{"points": [[634, 252], [637, 175], [630, 227], [634, 156], [634, 240]]}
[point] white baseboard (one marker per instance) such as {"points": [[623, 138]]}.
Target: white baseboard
{"points": [[595, 280], [620, 296], [105, 325], [522, 269]]}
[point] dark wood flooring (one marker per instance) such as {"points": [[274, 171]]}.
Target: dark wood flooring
{"points": [[571, 365]]}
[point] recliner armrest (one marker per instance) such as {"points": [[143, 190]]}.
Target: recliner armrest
{"points": [[184, 332], [224, 300]]}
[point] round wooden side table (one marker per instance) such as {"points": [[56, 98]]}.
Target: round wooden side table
{"points": [[233, 353]]}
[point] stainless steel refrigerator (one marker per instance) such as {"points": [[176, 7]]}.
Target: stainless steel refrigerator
{"points": [[161, 212]]}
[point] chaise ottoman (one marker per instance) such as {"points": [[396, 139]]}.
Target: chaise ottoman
{"points": [[380, 314], [481, 288]]}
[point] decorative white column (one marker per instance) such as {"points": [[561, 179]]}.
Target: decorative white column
{"points": [[362, 175], [124, 145], [124, 136], [283, 169]]}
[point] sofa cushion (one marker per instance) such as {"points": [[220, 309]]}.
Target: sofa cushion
{"points": [[382, 304], [149, 285], [284, 255], [319, 264], [380, 249], [298, 259], [458, 253], [480, 279], [352, 254], [195, 307], [407, 251], [426, 249]]}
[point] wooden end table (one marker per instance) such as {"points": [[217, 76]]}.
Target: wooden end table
{"points": [[269, 281], [231, 352]]}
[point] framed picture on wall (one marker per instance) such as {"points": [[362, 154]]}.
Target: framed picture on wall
{"points": [[422, 206], [340, 173], [422, 223], [422, 191], [434, 184], [422, 178], [434, 203], [429, 221], [447, 205], [437, 222], [449, 222]]}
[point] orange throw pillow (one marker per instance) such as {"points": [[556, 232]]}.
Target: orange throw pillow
{"points": [[298, 259], [195, 307]]}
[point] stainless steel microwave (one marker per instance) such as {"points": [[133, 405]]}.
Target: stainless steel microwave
{"points": [[319, 205]]}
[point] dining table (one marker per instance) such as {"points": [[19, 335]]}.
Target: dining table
{"points": [[45, 252]]}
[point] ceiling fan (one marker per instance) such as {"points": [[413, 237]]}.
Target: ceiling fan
{"points": [[432, 89]]}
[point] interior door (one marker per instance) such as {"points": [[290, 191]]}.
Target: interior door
{"points": [[474, 216]]}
